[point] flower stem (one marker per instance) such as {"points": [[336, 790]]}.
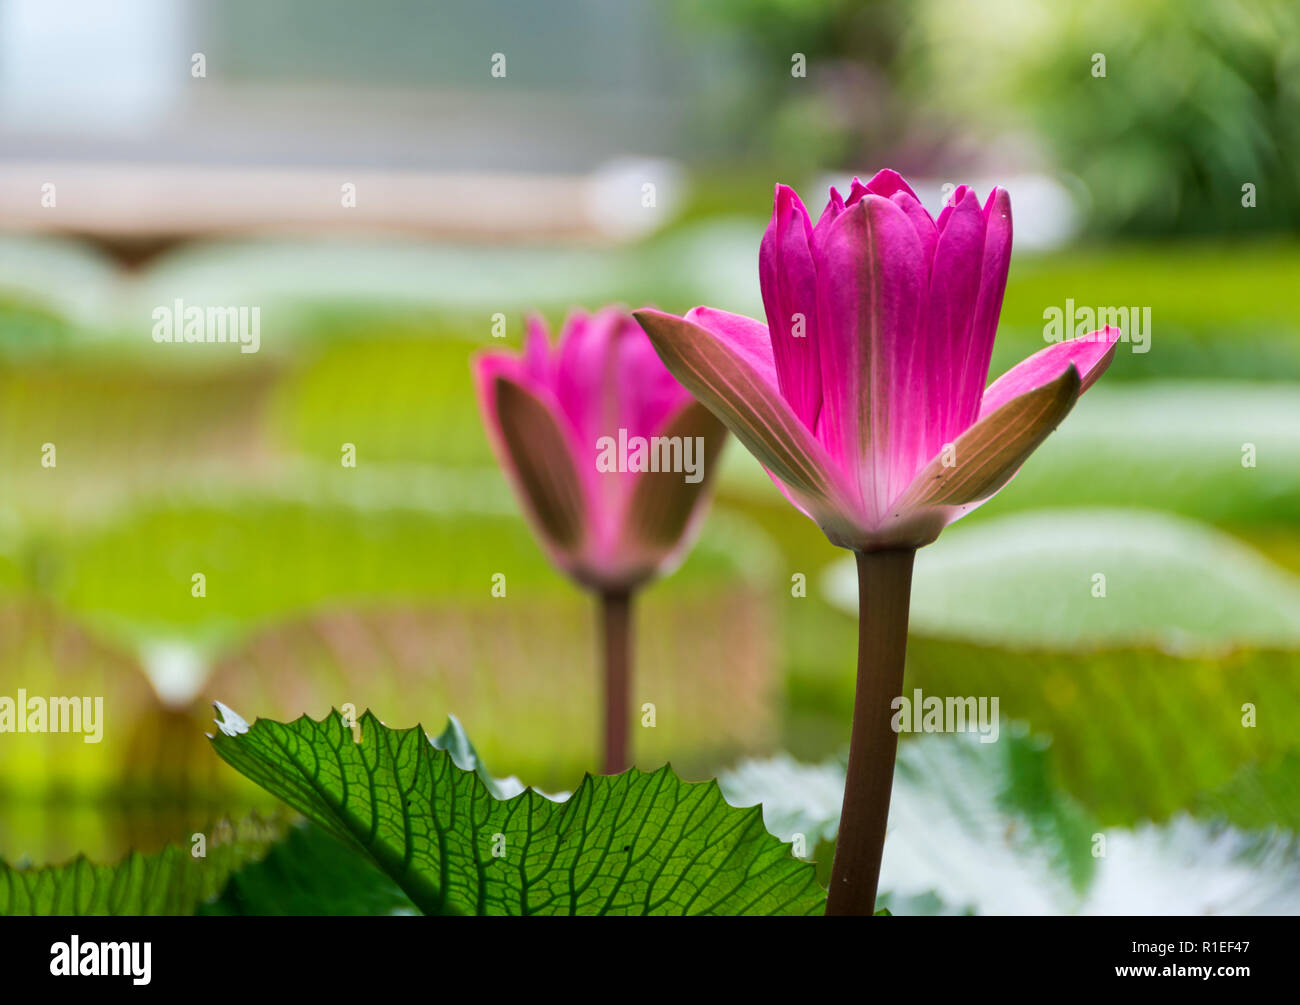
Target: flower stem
{"points": [[884, 592], [616, 630]]}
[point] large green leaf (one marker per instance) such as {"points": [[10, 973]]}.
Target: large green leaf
{"points": [[168, 882], [310, 872], [635, 843]]}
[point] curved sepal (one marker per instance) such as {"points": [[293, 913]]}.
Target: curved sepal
{"points": [[540, 463], [750, 406], [664, 504], [988, 454]]}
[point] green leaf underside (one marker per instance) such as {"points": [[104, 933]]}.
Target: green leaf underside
{"points": [[309, 873], [632, 844], [171, 881], [455, 741]]}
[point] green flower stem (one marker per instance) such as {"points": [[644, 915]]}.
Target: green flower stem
{"points": [[616, 641], [884, 593]]}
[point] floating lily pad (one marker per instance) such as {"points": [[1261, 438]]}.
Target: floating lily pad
{"points": [[1070, 578]]}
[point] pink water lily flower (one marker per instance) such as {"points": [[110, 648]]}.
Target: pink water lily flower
{"points": [[864, 393], [553, 414], [611, 460]]}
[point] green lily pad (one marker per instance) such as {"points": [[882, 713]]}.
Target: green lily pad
{"points": [[1088, 577]]}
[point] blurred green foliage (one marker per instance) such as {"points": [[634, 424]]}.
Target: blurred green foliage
{"points": [[1196, 101], [819, 79]]}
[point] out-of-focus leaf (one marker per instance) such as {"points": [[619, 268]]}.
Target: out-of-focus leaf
{"points": [[1137, 733], [1070, 578], [706, 661], [635, 843], [122, 772], [44, 654], [173, 881], [1145, 690], [1176, 446], [1260, 795], [315, 536], [374, 586], [981, 828]]}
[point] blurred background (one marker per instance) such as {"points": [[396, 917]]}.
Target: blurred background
{"points": [[383, 180]]}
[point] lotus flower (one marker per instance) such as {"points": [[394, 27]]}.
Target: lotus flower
{"points": [[863, 395], [611, 460]]}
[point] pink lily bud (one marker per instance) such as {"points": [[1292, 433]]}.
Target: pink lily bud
{"points": [[863, 395], [610, 457]]}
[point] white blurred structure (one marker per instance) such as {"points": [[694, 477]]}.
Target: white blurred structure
{"points": [[72, 67]]}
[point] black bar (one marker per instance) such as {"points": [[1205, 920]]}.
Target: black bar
{"points": [[607, 956]]}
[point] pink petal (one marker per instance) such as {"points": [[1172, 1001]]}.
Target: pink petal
{"points": [[856, 191], [537, 350], [646, 393], [993, 284], [582, 368], [546, 413], [950, 204], [1089, 354], [870, 278], [954, 291], [834, 207], [487, 366], [926, 231], [887, 183], [789, 284]]}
